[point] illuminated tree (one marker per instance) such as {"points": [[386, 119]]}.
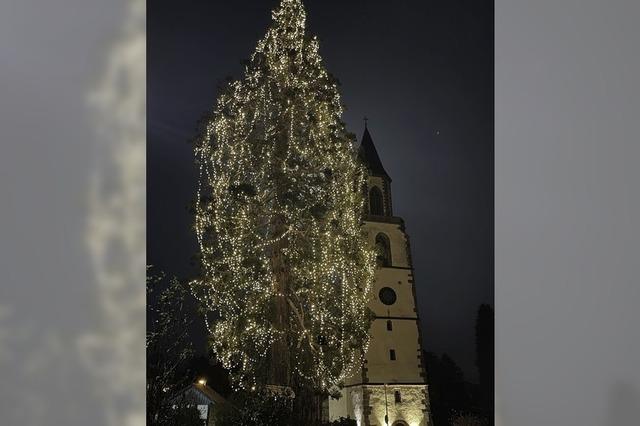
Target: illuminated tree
{"points": [[286, 268]]}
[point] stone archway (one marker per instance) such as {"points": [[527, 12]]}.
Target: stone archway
{"points": [[399, 423]]}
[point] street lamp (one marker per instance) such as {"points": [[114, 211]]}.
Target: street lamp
{"points": [[386, 406]]}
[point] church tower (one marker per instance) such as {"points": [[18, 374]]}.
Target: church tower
{"points": [[391, 388]]}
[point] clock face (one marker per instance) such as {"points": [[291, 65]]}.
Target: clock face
{"points": [[387, 296]]}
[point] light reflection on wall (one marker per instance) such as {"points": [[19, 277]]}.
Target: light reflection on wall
{"points": [[410, 410], [356, 400]]}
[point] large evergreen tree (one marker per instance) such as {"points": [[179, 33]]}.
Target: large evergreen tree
{"points": [[286, 268]]}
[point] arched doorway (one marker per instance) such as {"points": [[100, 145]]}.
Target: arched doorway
{"points": [[399, 423]]}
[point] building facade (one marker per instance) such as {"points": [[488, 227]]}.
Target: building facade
{"points": [[204, 398], [391, 388]]}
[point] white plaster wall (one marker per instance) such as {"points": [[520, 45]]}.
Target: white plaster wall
{"points": [[397, 238], [404, 340], [398, 280]]}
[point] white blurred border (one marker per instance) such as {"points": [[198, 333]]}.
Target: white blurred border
{"points": [[72, 204], [116, 226], [567, 207]]}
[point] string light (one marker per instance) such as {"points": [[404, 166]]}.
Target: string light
{"points": [[279, 215]]}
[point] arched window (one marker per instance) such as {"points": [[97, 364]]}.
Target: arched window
{"points": [[376, 207], [383, 250], [397, 397]]}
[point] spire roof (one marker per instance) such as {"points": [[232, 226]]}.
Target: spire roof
{"points": [[369, 155]]}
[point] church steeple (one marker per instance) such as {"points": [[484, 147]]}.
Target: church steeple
{"points": [[391, 366], [369, 156], [378, 183]]}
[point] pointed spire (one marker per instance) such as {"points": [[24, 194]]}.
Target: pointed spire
{"points": [[285, 37], [369, 155]]}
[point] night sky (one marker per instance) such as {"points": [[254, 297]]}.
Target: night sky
{"points": [[420, 70]]}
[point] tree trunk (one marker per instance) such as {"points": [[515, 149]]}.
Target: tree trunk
{"points": [[280, 364], [307, 407]]}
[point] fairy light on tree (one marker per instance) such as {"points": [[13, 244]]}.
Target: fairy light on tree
{"points": [[286, 267]]}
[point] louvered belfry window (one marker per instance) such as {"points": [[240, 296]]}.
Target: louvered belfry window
{"points": [[376, 206]]}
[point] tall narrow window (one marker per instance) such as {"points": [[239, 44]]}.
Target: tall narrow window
{"points": [[376, 207], [398, 397], [383, 250], [392, 354], [389, 325]]}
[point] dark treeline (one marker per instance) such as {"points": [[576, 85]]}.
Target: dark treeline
{"points": [[454, 400]]}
